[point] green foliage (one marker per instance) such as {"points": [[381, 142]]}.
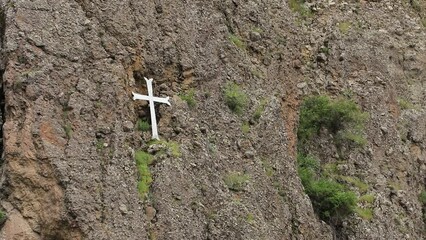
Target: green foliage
{"points": [[362, 186], [404, 104], [269, 170], [68, 130], [237, 41], [341, 117], [330, 170], [423, 21], [422, 197], [100, 144], [236, 181], [325, 50], [415, 4], [235, 98], [367, 198], [250, 218], [143, 160], [245, 127], [259, 110], [2, 216], [143, 125], [172, 147], [366, 214], [330, 199], [188, 97], [300, 7], [344, 27]]}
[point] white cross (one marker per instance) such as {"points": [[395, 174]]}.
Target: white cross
{"points": [[151, 100]]}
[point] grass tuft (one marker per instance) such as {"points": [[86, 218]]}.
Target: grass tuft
{"points": [[143, 160], [235, 98], [143, 125], [236, 181], [366, 214], [189, 98], [344, 27], [367, 198], [237, 41]]}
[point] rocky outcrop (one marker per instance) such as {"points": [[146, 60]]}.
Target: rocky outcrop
{"points": [[69, 132]]}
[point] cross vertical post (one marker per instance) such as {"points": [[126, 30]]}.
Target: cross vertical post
{"points": [[151, 99]]}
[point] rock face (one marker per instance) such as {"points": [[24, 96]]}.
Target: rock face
{"points": [[69, 67]]}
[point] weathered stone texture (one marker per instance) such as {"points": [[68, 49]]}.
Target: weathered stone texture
{"points": [[69, 70]]}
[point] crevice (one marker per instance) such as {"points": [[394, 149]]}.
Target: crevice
{"points": [[2, 95]]}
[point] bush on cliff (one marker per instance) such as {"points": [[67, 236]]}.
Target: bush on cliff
{"points": [[331, 200]]}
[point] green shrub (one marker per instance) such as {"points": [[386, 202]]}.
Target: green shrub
{"points": [[2, 216], [422, 197], [423, 21], [344, 27], [171, 147], [143, 160], [362, 186], [188, 97], [404, 104], [68, 130], [330, 199], [237, 41], [259, 110], [235, 98], [341, 117], [236, 181], [367, 198], [174, 149], [366, 214], [143, 125], [100, 144], [250, 218], [300, 7], [245, 127]]}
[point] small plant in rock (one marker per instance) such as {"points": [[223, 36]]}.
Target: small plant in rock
{"points": [[188, 97], [259, 110], [143, 160], [367, 198], [404, 104], [250, 218], [143, 125], [172, 148], [68, 130], [365, 213], [235, 98], [2, 216], [422, 197], [245, 127], [300, 7], [100, 144], [362, 186], [236, 181], [344, 27], [237, 41]]}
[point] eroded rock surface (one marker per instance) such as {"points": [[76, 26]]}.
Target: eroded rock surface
{"points": [[69, 70]]}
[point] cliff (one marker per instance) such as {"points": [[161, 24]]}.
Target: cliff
{"points": [[77, 159]]}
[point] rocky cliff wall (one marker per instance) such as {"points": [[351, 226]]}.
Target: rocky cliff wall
{"points": [[70, 132]]}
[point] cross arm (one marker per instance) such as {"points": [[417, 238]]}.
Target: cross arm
{"points": [[137, 96]]}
